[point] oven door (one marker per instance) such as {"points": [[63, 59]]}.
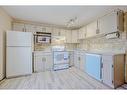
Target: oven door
{"points": [[61, 57]]}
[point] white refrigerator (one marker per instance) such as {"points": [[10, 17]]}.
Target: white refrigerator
{"points": [[18, 53]]}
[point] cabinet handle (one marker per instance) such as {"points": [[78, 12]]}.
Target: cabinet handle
{"points": [[112, 81], [101, 65], [43, 59], [112, 66], [97, 31], [79, 58], [59, 33], [23, 29]]}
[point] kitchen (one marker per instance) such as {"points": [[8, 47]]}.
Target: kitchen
{"points": [[65, 56]]}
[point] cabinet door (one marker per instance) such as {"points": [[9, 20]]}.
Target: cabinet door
{"points": [[82, 61], [76, 60], [108, 23], [82, 33], [91, 29], [30, 28], [40, 29], [18, 27], [49, 30], [71, 58], [107, 71], [74, 36], [56, 32], [93, 65], [39, 63], [68, 36], [49, 62], [62, 32], [119, 70]]}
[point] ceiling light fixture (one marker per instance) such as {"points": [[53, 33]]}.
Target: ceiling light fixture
{"points": [[71, 22]]}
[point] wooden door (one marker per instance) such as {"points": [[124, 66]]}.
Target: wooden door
{"points": [[126, 68], [119, 70]]}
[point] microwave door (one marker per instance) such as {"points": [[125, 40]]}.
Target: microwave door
{"points": [[43, 39]]}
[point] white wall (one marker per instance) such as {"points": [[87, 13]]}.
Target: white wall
{"points": [[5, 24]]}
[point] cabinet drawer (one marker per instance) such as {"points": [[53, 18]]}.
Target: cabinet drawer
{"points": [[107, 58], [42, 53], [40, 59]]}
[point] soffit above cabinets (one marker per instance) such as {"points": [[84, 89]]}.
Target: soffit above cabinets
{"points": [[57, 15]]}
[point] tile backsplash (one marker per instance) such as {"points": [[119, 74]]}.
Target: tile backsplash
{"points": [[47, 47], [101, 43]]}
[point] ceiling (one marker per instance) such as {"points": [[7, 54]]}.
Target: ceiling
{"points": [[57, 15]]}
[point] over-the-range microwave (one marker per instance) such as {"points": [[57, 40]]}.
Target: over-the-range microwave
{"points": [[43, 39]]}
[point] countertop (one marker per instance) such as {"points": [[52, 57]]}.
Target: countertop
{"points": [[101, 52], [106, 52]]}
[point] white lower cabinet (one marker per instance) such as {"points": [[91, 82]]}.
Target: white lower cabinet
{"points": [[49, 63], [107, 71], [113, 70], [82, 61], [76, 59], [79, 60], [42, 62], [71, 58], [39, 63]]}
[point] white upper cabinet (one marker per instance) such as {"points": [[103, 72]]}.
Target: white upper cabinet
{"points": [[112, 22], [68, 36], [82, 33], [19, 27], [30, 28], [74, 34], [48, 29], [40, 29], [62, 32], [56, 32], [59, 32], [92, 29]]}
